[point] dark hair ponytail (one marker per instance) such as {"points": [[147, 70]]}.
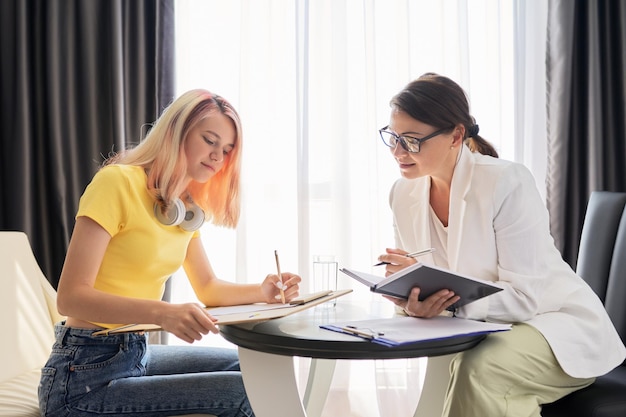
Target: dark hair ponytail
{"points": [[440, 102], [477, 143]]}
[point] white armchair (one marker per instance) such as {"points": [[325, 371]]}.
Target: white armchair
{"points": [[28, 307]]}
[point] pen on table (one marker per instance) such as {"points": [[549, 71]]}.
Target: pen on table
{"points": [[353, 330], [280, 277], [411, 255]]}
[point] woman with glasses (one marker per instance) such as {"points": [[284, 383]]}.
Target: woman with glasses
{"points": [[485, 218]]}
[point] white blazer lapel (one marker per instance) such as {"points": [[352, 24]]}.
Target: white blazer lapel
{"points": [[461, 181], [420, 211]]}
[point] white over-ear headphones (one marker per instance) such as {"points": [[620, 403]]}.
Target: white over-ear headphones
{"points": [[187, 218]]}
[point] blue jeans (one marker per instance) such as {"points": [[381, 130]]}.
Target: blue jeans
{"points": [[120, 375]]}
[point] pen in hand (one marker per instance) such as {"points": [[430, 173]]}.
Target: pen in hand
{"points": [[411, 255], [280, 278]]}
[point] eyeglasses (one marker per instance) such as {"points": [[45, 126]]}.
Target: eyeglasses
{"points": [[409, 143]]}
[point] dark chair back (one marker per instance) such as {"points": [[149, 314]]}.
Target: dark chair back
{"points": [[602, 264], [602, 253]]}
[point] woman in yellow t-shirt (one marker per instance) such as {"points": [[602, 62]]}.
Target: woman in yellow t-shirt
{"points": [[136, 225]]}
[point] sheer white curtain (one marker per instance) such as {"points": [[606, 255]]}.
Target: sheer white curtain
{"points": [[530, 147], [312, 81]]}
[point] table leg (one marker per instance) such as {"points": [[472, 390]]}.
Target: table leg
{"points": [[318, 384], [435, 385], [271, 385]]}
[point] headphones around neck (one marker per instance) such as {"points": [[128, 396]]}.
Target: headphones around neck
{"points": [[187, 218]]}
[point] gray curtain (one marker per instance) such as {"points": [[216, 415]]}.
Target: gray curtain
{"points": [[78, 79], [586, 73]]}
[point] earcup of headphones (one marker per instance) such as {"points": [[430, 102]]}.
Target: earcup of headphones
{"points": [[174, 216], [194, 219]]}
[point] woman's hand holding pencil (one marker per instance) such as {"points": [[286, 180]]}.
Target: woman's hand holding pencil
{"points": [[281, 287]]}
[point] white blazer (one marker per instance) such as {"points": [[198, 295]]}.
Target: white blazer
{"points": [[498, 231]]}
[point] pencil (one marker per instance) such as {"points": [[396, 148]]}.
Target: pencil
{"points": [[280, 277], [411, 255]]}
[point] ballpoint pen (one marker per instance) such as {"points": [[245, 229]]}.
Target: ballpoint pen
{"points": [[411, 255], [280, 277], [353, 330]]}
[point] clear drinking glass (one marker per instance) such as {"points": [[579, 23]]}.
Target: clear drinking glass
{"points": [[325, 275]]}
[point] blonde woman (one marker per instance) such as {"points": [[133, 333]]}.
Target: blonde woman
{"points": [[137, 223]]}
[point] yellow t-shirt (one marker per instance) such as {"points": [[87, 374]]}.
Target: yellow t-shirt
{"points": [[142, 253]]}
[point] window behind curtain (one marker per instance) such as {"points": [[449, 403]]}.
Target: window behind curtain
{"points": [[312, 81]]}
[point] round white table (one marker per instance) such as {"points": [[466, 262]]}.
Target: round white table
{"points": [[266, 351]]}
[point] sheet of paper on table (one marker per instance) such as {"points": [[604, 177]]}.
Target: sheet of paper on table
{"points": [[399, 330]]}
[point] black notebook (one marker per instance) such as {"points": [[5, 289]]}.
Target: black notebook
{"points": [[429, 279]]}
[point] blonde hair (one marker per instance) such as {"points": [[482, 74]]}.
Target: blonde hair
{"points": [[162, 154]]}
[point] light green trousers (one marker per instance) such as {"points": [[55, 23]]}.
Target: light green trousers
{"points": [[509, 374]]}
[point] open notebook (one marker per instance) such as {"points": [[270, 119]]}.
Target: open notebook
{"points": [[243, 313], [429, 279]]}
